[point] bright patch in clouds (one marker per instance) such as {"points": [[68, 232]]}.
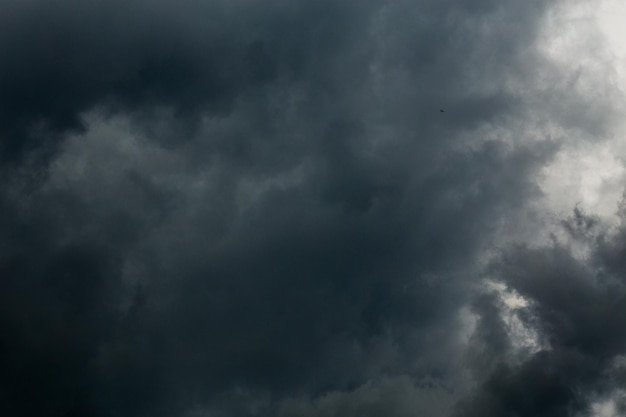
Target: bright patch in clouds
{"points": [[589, 41], [611, 19], [606, 408], [589, 175]]}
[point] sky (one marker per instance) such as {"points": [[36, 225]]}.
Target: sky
{"points": [[245, 208]]}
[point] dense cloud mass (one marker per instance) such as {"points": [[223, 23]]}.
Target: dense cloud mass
{"points": [[247, 208], [577, 305]]}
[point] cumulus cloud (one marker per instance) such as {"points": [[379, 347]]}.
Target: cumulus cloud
{"points": [[576, 305], [245, 208]]}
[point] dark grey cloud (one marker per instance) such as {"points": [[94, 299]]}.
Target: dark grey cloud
{"points": [[576, 306], [238, 208], [399, 396], [61, 60]]}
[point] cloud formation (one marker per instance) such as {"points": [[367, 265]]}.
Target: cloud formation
{"points": [[576, 305], [242, 208]]}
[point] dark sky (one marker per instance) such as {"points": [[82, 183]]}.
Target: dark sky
{"points": [[256, 208]]}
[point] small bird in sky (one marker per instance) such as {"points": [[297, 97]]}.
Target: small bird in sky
{"points": [[442, 110]]}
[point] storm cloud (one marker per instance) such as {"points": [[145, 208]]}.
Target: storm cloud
{"points": [[245, 208]]}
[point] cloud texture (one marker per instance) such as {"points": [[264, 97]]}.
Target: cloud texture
{"points": [[246, 208]]}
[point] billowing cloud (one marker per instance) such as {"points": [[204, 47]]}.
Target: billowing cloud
{"points": [[576, 305], [242, 208]]}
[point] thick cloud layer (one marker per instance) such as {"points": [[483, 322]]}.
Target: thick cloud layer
{"points": [[577, 307], [245, 208]]}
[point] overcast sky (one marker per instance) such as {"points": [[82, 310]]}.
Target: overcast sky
{"points": [[258, 208]]}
